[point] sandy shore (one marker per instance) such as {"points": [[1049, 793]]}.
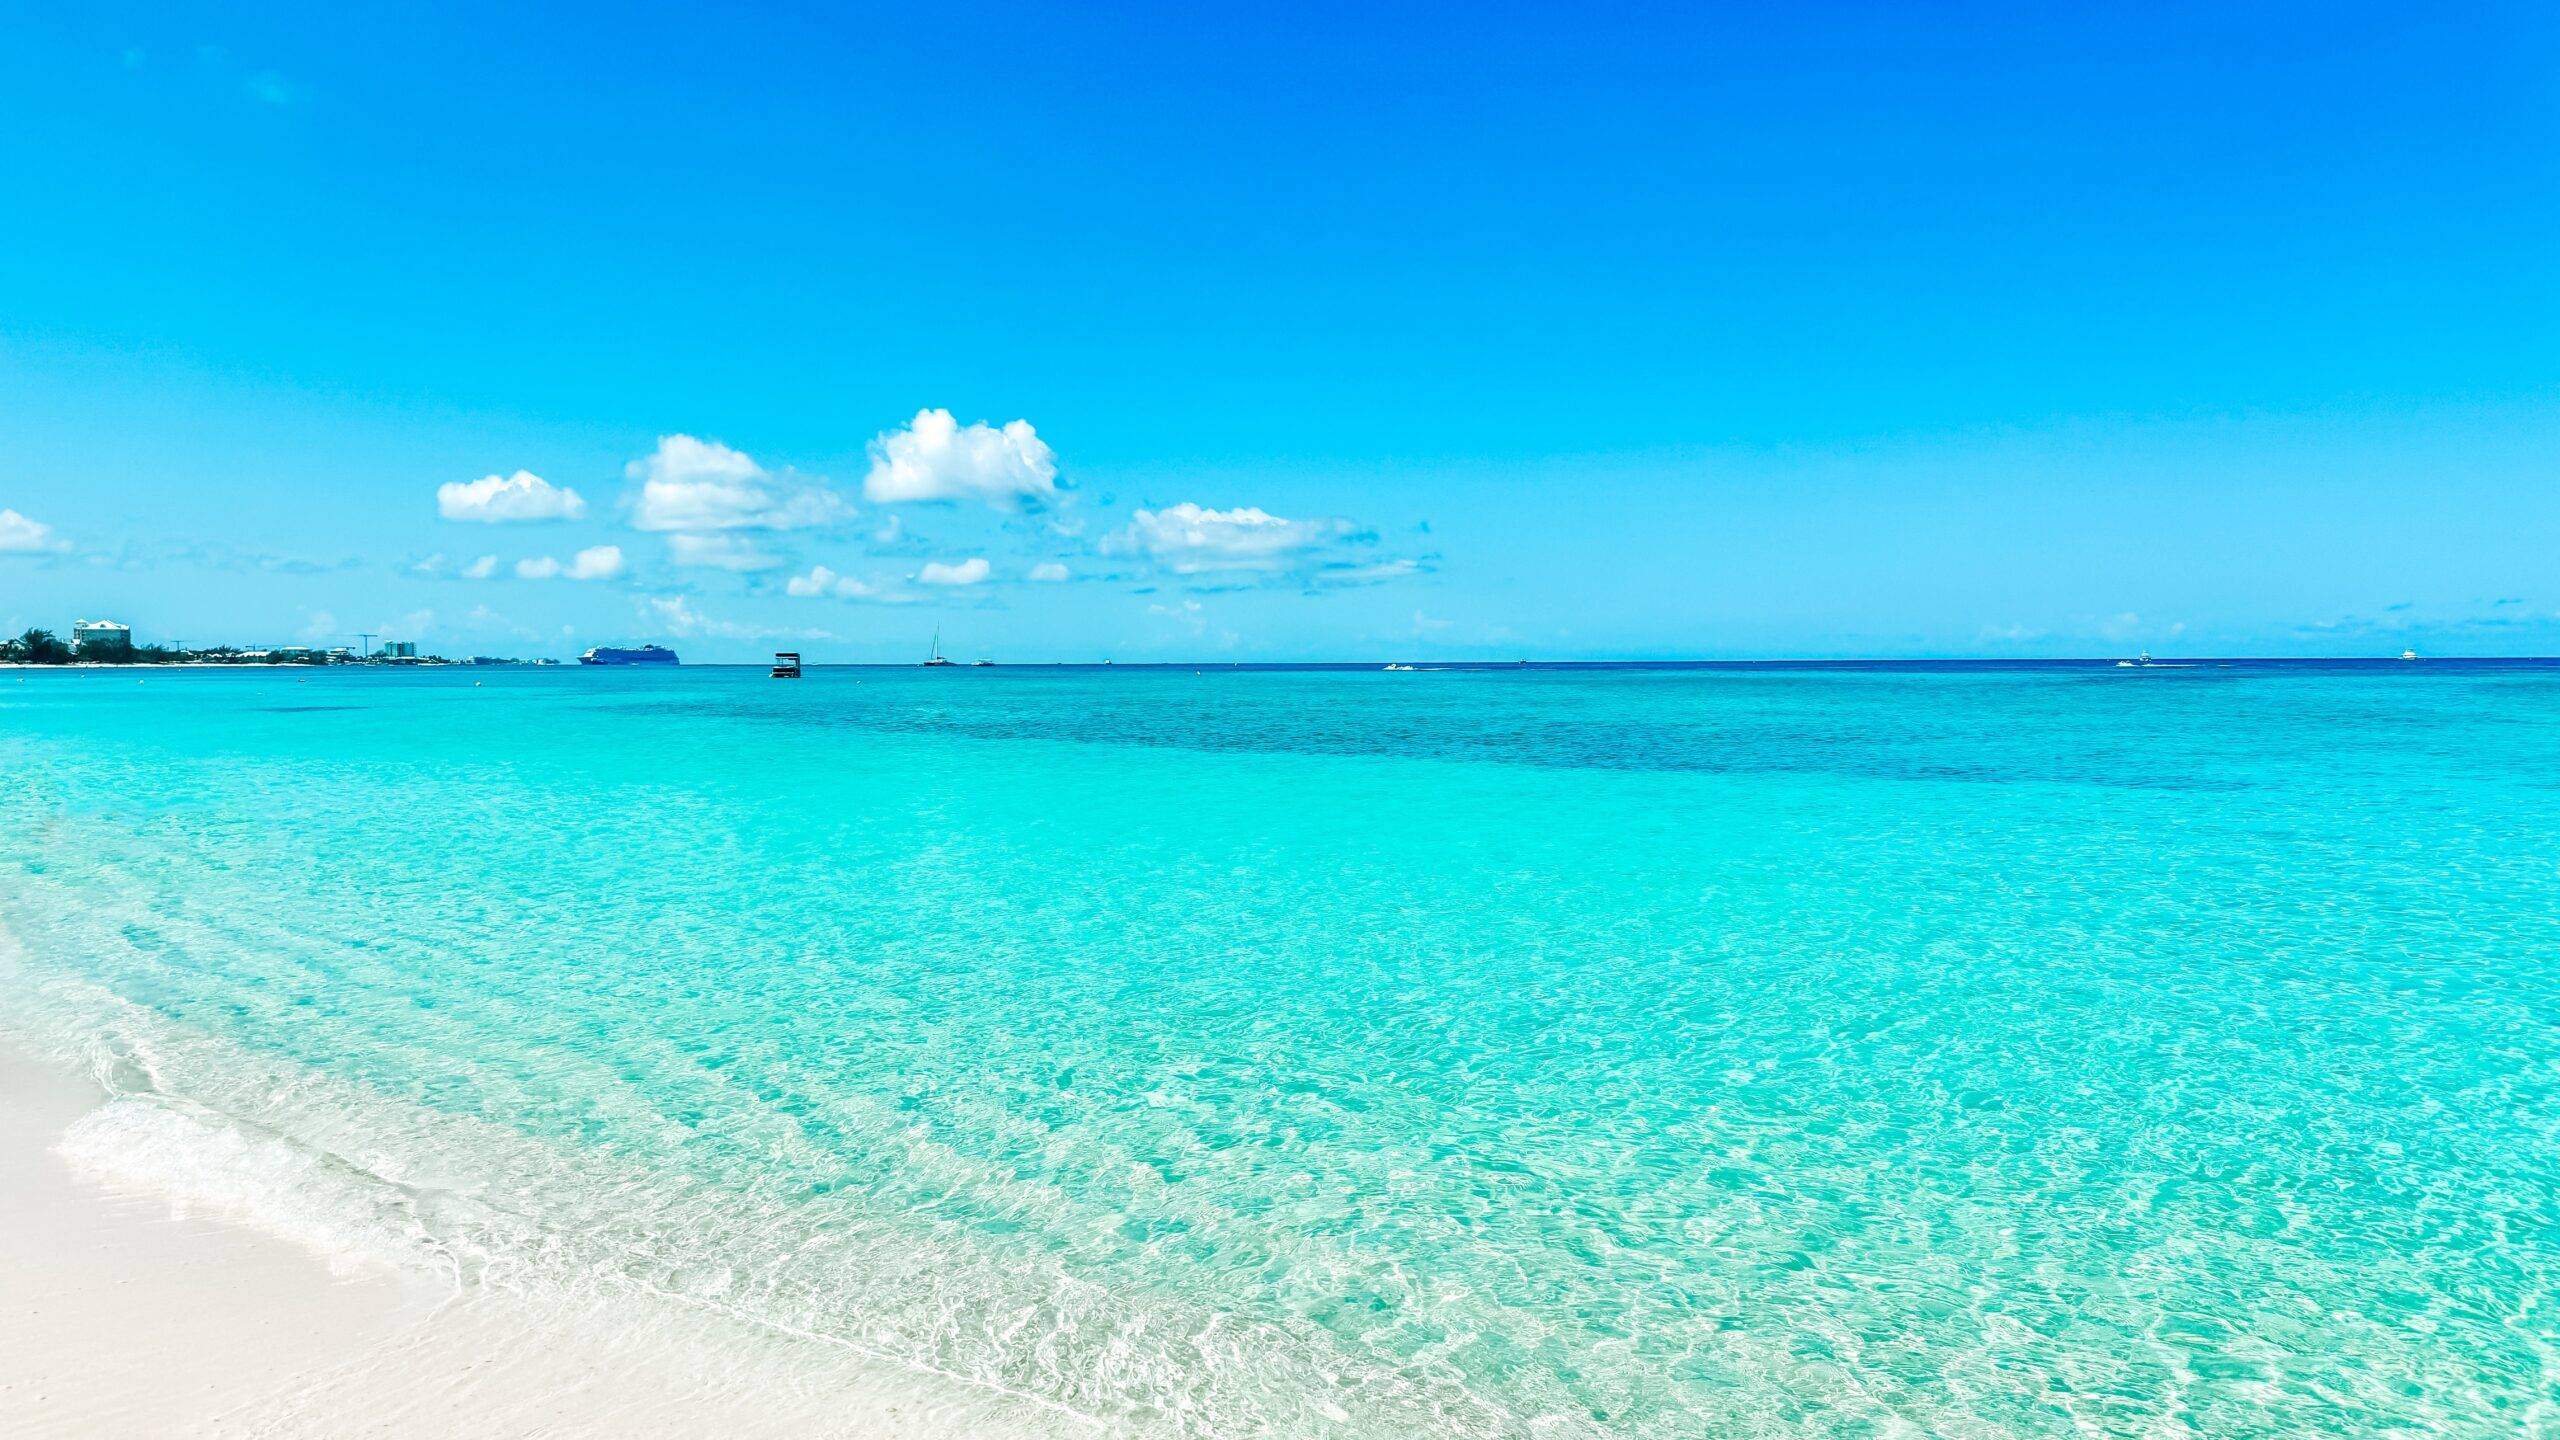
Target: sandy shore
{"points": [[130, 1308], [119, 1316]]}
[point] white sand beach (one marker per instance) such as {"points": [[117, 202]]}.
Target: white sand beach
{"points": [[119, 1316], [130, 1308]]}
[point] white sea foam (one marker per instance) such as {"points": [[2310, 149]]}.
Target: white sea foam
{"points": [[514, 1360], [206, 1168], [524, 1343], [562, 1266], [518, 1349]]}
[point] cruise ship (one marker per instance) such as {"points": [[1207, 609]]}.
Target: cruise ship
{"points": [[645, 655]]}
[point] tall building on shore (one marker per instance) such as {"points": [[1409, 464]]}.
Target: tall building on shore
{"points": [[100, 637]]}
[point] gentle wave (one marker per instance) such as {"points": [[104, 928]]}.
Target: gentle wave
{"points": [[541, 1242]]}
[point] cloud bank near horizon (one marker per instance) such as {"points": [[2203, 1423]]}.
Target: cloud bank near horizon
{"points": [[1190, 539]]}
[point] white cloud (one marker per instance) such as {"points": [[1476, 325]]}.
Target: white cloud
{"points": [[1347, 573], [1048, 572], [2130, 626], [1188, 613], [1194, 619], [1189, 540], [596, 562], [698, 485], [674, 612], [822, 581], [967, 572], [936, 458], [481, 569], [720, 552], [485, 619], [22, 536], [497, 500], [680, 618]]}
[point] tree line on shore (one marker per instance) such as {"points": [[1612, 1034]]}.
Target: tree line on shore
{"points": [[43, 647]]}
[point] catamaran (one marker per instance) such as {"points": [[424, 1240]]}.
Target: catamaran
{"points": [[938, 658]]}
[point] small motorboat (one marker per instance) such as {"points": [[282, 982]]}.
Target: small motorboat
{"points": [[786, 665]]}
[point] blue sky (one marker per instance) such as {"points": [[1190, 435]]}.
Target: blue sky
{"points": [[1334, 331]]}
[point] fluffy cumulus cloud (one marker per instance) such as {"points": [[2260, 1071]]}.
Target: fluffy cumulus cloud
{"points": [[937, 458], [1049, 572], [720, 552], [481, 569], [968, 572], [1189, 540], [22, 536], [702, 485], [500, 499], [596, 562], [823, 582]]}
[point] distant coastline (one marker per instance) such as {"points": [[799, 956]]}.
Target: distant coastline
{"points": [[108, 644]]}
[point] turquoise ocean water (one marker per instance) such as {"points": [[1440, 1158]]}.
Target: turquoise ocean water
{"points": [[1960, 1051]]}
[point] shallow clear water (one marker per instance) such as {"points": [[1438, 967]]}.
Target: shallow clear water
{"points": [[1996, 1051]]}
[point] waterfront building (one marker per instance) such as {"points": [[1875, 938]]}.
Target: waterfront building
{"points": [[100, 637]]}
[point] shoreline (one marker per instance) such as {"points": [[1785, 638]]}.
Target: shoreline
{"points": [[141, 1296], [127, 1315], [257, 665]]}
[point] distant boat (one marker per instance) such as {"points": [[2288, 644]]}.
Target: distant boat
{"points": [[786, 664], [2408, 654], [937, 657], [974, 663], [645, 655], [1399, 667]]}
